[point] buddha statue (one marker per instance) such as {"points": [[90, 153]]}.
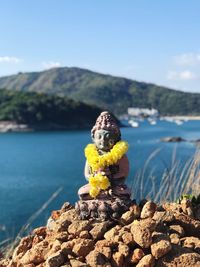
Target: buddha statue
{"points": [[106, 169]]}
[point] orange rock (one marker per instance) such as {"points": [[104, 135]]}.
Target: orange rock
{"points": [[160, 246], [136, 255], [62, 237], [136, 210], [54, 247], [82, 247], [55, 214], [148, 210], [40, 231], [146, 261], [24, 245], [4, 263], [113, 234], [97, 259], [76, 227], [36, 254], [190, 226], [77, 263], [123, 249], [99, 229], [55, 260], [177, 229], [179, 256], [175, 239], [106, 251], [191, 242], [132, 214], [85, 234], [127, 238], [67, 247], [142, 232], [117, 259]]}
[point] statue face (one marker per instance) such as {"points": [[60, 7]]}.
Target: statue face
{"points": [[104, 140]]}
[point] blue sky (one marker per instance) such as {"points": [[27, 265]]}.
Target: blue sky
{"points": [[147, 40]]}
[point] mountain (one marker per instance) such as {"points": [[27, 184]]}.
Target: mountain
{"points": [[41, 111], [105, 91]]}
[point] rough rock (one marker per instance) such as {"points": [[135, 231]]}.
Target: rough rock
{"points": [[82, 247], [160, 245], [146, 261], [190, 226], [123, 249], [113, 234], [175, 239], [170, 234], [67, 247], [117, 259], [40, 231], [173, 139], [99, 229], [55, 260], [24, 245], [148, 210], [37, 254], [132, 214], [142, 232], [106, 251], [136, 255], [4, 263], [179, 256], [163, 216], [127, 238], [85, 234], [76, 227], [191, 242], [54, 247], [77, 263], [177, 229], [63, 236], [97, 259]]}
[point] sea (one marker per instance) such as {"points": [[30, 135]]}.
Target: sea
{"points": [[39, 171]]}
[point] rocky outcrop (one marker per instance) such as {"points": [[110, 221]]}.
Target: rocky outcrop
{"points": [[146, 235], [173, 139]]}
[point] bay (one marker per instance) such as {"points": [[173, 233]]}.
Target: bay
{"points": [[34, 165]]}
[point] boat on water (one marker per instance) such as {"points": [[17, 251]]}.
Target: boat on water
{"points": [[152, 121], [133, 123], [178, 122], [175, 120]]}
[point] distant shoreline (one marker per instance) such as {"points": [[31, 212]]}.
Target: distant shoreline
{"points": [[192, 118], [12, 126]]}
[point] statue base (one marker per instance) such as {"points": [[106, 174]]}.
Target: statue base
{"points": [[103, 209]]}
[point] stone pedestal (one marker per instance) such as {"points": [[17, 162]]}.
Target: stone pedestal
{"points": [[103, 209]]}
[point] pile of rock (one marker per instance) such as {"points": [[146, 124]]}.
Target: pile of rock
{"points": [[146, 235]]}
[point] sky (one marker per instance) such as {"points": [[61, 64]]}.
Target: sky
{"points": [[146, 40]]}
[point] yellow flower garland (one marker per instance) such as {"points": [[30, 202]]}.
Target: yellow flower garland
{"points": [[98, 162]]}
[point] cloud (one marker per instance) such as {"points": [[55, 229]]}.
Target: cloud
{"points": [[51, 64], [181, 75], [7, 59], [188, 59]]}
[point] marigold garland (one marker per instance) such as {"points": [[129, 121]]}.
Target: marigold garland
{"points": [[98, 162]]}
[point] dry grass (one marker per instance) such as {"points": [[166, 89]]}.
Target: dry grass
{"points": [[174, 182], [7, 246]]}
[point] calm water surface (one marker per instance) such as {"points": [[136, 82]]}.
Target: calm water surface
{"points": [[34, 165]]}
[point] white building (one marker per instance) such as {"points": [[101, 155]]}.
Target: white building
{"points": [[143, 112]]}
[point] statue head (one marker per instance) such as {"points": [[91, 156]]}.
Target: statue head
{"points": [[105, 132]]}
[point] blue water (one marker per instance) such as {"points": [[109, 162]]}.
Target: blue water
{"points": [[34, 165]]}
